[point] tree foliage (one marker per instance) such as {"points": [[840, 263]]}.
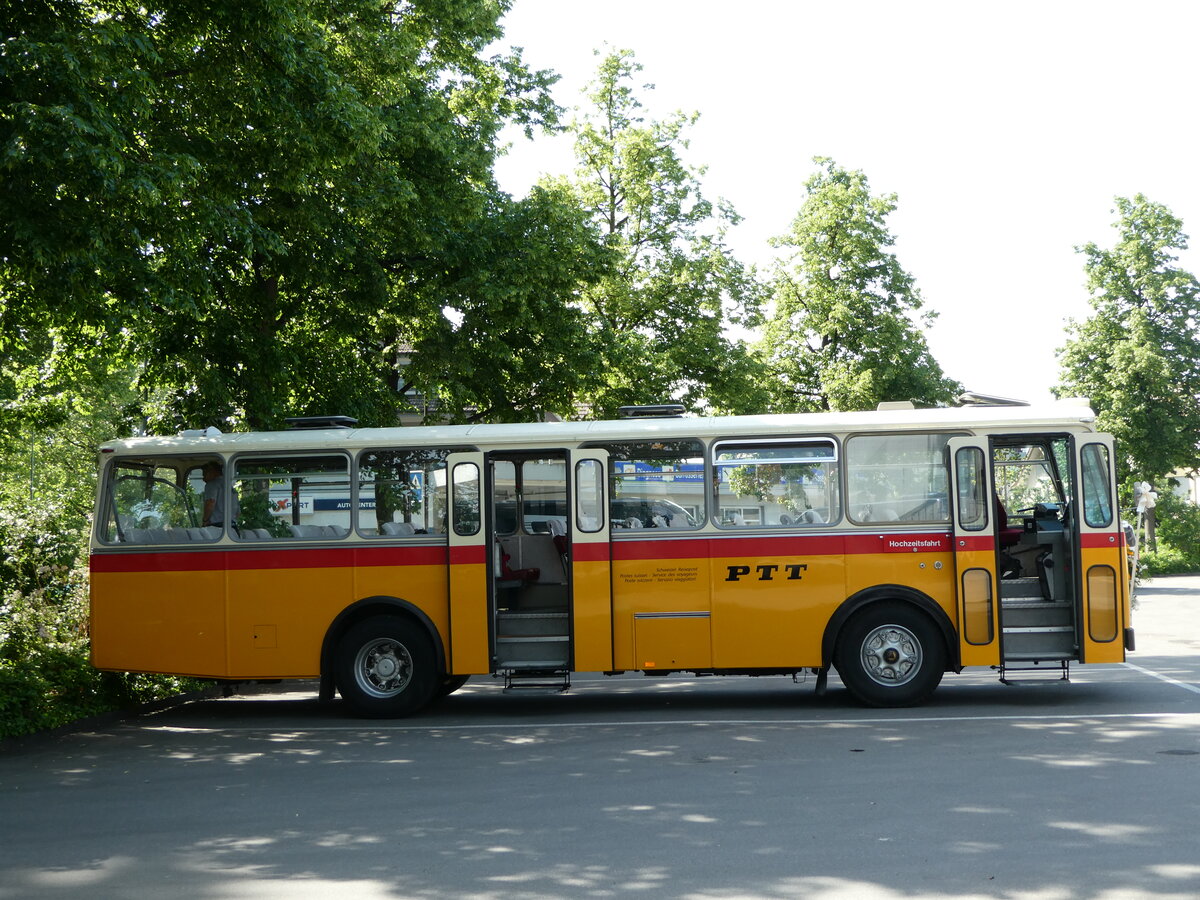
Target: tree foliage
{"points": [[226, 213], [663, 311], [1137, 357], [260, 204], [846, 329], [513, 342]]}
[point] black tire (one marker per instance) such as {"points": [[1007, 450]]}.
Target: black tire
{"points": [[385, 667], [448, 685], [890, 654]]}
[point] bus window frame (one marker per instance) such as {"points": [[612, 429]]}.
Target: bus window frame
{"points": [[973, 476], [1088, 475], [356, 485], [942, 463], [714, 487], [231, 476], [149, 464], [610, 493], [1051, 443]]}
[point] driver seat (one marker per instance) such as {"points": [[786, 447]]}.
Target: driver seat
{"points": [[1006, 536]]}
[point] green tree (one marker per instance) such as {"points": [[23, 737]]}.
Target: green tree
{"points": [[249, 200], [512, 342], [1137, 357], [663, 311], [846, 328]]}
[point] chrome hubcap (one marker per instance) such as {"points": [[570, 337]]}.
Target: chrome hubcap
{"points": [[383, 667], [891, 655]]}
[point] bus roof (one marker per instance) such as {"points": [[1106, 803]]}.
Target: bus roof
{"points": [[1064, 415]]}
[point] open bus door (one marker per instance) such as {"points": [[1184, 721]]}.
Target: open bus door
{"points": [[468, 564], [975, 557], [1101, 584], [530, 564]]}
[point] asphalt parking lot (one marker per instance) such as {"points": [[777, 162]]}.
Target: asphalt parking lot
{"points": [[637, 787]]}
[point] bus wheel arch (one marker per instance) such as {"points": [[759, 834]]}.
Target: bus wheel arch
{"points": [[413, 625], [891, 645]]}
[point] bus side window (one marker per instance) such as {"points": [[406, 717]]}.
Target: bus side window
{"points": [[402, 492], [152, 501], [301, 496], [773, 483], [897, 478], [655, 484]]}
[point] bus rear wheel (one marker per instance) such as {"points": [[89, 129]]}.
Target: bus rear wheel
{"points": [[890, 654], [385, 667]]}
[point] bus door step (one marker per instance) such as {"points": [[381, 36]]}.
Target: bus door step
{"points": [[1053, 670], [536, 679]]}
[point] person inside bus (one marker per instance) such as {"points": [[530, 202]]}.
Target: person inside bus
{"points": [[214, 496]]}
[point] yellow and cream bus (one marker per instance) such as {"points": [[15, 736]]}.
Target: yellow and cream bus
{"points": [[395, 563]]}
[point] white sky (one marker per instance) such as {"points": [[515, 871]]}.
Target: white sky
{"points": [[1006, 130]]}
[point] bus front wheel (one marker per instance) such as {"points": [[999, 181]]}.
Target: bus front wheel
{"points": [[385, 667], [448, 685], [890, 654]]}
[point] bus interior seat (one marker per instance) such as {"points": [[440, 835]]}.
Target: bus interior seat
{"points": [[319, 531], [1006, 536], [558, 534], [507, 574], [158, 536], [401, 529]]}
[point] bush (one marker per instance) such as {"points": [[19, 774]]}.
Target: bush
{"points": [[1178, 540], [1179, 527], [1166, 561], [45, 678], [43, 568], [58, 686]]}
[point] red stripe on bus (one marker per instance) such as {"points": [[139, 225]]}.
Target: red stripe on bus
{"points": [[208, 561], [915, 543], [688, 548], [474, 554], [791, 545], [290, 558], [597, 552], [1095, 540]]}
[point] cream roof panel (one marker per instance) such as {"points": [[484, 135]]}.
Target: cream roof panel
{"points": [[1064, 415]]}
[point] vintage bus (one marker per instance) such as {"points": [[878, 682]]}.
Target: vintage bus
{"points": [[394, 563]]}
